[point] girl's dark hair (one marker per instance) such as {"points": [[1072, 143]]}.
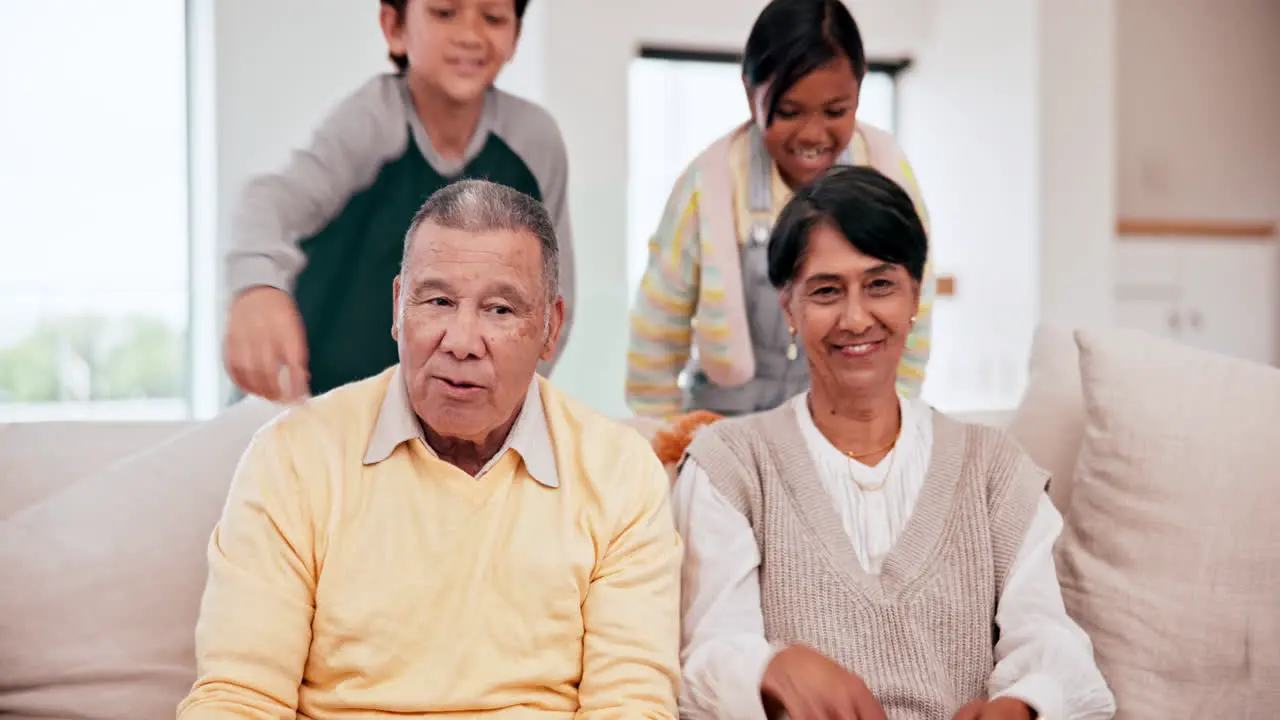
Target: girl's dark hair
{"points": [[871, 211], [792, 38], [402, 62]]}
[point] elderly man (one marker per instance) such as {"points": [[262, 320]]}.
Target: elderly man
{"points": [[454, 535]]}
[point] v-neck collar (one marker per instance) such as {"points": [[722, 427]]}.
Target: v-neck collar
{"points": [[449, 168], [928, 526]]}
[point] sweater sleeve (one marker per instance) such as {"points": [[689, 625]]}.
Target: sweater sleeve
{"points": [[631, 615], [911, 371], [277, 210], [254, 631], [661, 332]]}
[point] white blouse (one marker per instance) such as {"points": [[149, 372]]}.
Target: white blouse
{"points": [[1042, 657]]}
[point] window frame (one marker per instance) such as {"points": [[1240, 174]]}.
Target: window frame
{"points": [[893, 67]]}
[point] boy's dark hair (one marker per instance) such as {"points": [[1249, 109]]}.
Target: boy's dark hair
{"points": [[402, 62], [792, 38], [871, 211]]}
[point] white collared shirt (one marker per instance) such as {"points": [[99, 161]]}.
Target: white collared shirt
{"points": [[397, 423], [1042, 657]]}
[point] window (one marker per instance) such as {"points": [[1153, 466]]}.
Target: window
{"points": [[94, 276], [665, 136]]}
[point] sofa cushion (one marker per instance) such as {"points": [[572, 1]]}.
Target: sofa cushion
{"points": [[1170, 559], [100, 584], [1049, 422], [39, 459]]}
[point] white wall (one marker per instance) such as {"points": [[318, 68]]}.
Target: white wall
{"points": [[969, 125], [1010, 127], [1077, 147]]}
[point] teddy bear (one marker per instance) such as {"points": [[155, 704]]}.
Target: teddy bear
{"points": [[670, 442]]}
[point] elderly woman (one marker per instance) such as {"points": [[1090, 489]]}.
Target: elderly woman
{"points": [[854, 553]]}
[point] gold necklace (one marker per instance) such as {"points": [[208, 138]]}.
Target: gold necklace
{"points": [[853, 457]]}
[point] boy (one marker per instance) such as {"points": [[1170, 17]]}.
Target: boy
{"points": [[314, 248]]}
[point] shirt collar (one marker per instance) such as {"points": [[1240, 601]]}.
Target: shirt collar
{"points": [[530, 437]]}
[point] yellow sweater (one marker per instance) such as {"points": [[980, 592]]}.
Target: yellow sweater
{"points": [[406, 587]]}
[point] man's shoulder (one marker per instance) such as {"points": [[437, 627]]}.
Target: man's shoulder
{"points": [[583, 424], [601, 450], [344, 415]]}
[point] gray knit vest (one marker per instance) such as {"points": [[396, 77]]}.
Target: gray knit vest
{"points": [[921, 633]]}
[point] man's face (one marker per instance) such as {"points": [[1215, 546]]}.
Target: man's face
{"points": [[472, 323]]}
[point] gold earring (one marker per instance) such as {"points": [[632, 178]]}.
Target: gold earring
{"points": [[792, 351]]}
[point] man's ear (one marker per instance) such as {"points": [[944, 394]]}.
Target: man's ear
{"points": [[555, 323], [395, 308]]}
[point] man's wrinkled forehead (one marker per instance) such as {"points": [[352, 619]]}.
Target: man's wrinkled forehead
{"points": [[445, 254]]}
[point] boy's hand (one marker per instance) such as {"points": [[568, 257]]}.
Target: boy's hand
{"points": [[265, 352], [807, 685]]}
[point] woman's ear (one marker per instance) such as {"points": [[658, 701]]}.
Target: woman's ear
{"points": [[784, 299]]}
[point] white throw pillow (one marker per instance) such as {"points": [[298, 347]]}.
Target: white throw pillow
{"points": [[1170, 559], [100, 584]]}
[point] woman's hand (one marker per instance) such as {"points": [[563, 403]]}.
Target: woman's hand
{"points": [[807, 685], [1004, 708]]}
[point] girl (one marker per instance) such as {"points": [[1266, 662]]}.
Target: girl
{"points": [[706, 291]]}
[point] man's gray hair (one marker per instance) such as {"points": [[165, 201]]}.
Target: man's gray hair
{"points": [[479, 206]]}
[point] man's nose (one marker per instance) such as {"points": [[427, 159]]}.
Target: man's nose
{"points": [[463, 337]]}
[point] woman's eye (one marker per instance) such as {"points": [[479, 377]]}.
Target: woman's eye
{"points": [[494, 19], [442, 13], [837, 112], [880, 286], [438, 302], [500, 310], [787, 114]]}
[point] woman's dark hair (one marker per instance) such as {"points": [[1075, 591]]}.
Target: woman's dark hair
{"points": [[402, 62], [871, 211], [792, 38]]}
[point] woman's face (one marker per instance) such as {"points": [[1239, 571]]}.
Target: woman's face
{"points": [[814, 122], [852, 313]]}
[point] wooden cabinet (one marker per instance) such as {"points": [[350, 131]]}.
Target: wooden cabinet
{"points": [[1215, 293]]}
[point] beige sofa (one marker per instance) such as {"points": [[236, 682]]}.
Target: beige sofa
{"points": [[1166, 466]]}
